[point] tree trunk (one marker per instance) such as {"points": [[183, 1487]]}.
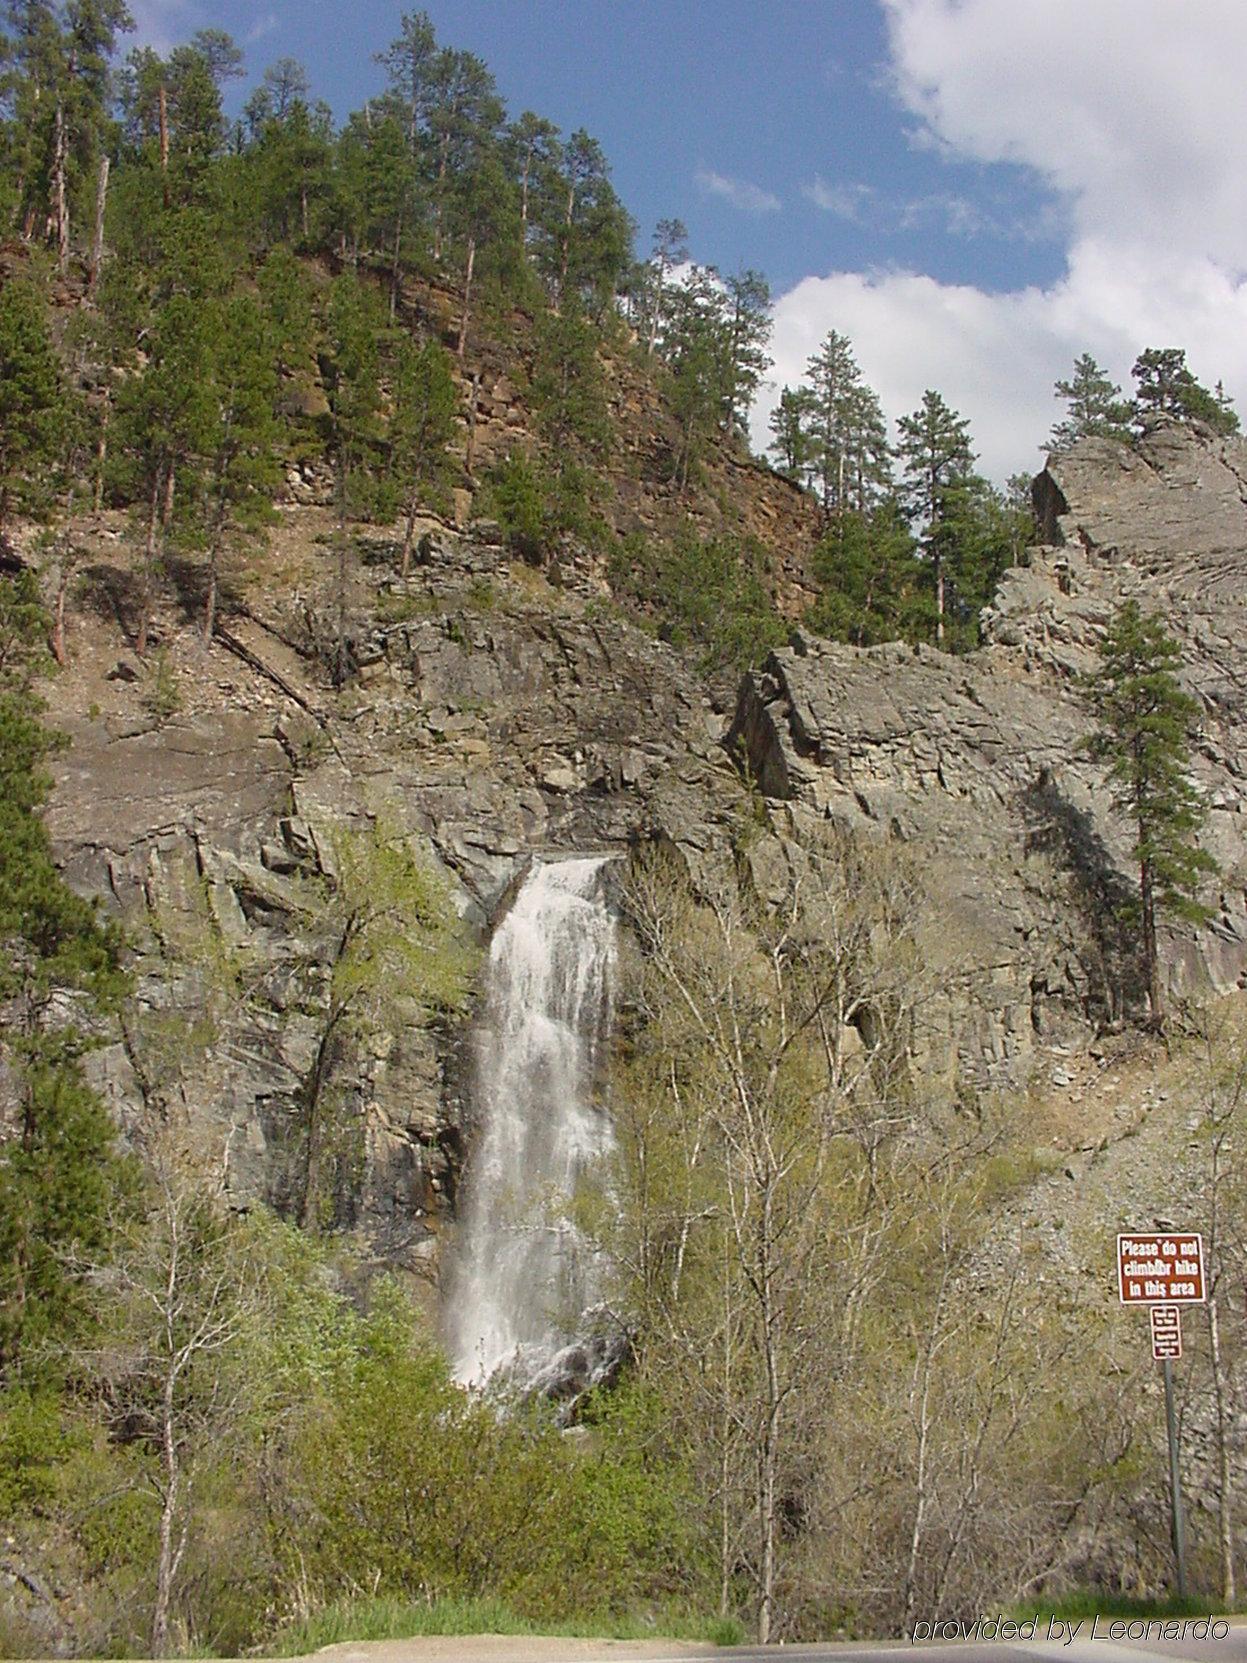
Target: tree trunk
{"points": [[768, 1458], [303, 206], [149, 565], [166, 1562], [97, 240], [1151, 957], [394, 267], [566, 258], [437, 207], [470, 452], [58, 617], [164, 141], [1225, 1480], [409, 535], [467, 298], [101, 449], [211, 598], [60, 200], [655, 315]]}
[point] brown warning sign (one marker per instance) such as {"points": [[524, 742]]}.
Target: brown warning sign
{"points": [[1166, 1332], [1164, 1269]]}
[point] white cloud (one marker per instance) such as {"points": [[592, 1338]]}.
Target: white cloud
{"points": [[263, 25], [161, 24], [740, 193], [844, 201], [1130, 112], [959, 216]]}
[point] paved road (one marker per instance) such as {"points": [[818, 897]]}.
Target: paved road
{"points": [[1059, 1648]]}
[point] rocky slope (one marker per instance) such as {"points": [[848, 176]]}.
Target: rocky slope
{"points": [[975, 761], [498, 715]]}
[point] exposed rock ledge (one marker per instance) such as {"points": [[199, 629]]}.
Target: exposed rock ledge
{"points": [[975, 761]]}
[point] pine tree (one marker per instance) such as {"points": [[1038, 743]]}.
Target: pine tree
{"points": [[422, 426], [534, 146], [350, 366], [669, 247], [845, 433], [567, 391], [747, 309], [1096, 407], [694, 350], [164, 423], [935, 452], [1143, 718], [792, 445], [1166, 387], [409, 61], [239, 445], [58, 1171], [33, 404], [870, 579]]}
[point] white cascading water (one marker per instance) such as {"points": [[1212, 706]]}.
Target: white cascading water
{"points": [[523, 1274]]}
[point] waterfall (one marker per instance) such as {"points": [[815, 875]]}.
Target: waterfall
{"points": [[523, 1274]]}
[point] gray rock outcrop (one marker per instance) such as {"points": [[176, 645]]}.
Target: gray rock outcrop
{"points": [[496, 716], [976, 761]]}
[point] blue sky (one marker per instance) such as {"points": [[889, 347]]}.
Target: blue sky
{"points": [[974, 191], [772, 130]]}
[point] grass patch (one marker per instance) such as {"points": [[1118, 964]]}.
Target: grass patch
{"points": [[382, 1618], [1090, 1602]]}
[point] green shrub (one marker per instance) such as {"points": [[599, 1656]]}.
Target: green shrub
{"points": [[713, 593]]}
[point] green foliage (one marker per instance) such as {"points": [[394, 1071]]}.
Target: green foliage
{"points": [[58, 1172], [870, 581], [566, 388], [1166, 387], [711, 593], [421, 428], [162, 697], [34, 409], [506, 1508], [714, 341], [1096, 408], [538, 507], [1143, 718], [351, 366], [396, 951]]}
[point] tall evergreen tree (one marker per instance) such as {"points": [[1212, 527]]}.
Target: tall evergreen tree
{"points": [[845, 434], [669, 247], [937, 460], [1143, 718], [534, 147], [350, 367], [58, 1171], [1096, 408], [792, 445], [409, 61], [164, 421], [747, 315], [1166, 387], [240, 439], [422, 426], [34, 406]]}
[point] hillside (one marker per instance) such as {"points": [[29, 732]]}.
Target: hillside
{"points": [[578, 1011]]}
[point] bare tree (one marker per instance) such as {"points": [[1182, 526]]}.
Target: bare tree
{"points": [[181, 1298], [785, 1026]]}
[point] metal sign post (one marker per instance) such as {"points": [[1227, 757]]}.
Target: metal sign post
{"points": [[1175, 1481], [1164, 1272]]}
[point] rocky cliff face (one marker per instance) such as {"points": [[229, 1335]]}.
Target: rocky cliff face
{"points": [[494, 716], [498, 716], [975, 761]]}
